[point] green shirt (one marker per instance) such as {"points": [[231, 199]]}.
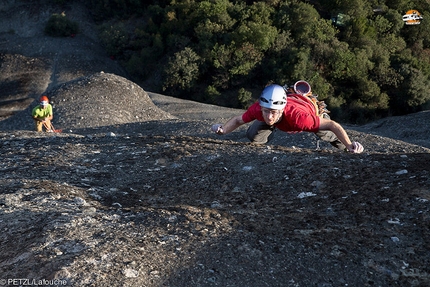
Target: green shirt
{"points": [[40, 113]]}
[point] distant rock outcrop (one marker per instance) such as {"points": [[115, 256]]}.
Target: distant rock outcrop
{"points": [[103, 99]]}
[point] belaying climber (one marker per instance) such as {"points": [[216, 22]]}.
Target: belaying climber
{"points": [[42, 115]]}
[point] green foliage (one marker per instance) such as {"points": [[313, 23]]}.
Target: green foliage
{"points": [[382, 25], [245, 97], [211, 93], [304, 20], [261, 36], [109, 9], [244, 59], [59, 26], [182, 71], [394, 17], [413, 91], [424, 31], [219, 50], [114, 37]]}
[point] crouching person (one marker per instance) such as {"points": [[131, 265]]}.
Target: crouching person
{"points": [[292, 113], [42, 115]]}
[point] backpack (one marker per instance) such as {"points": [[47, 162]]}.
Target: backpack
{"points": [[303, 88]]}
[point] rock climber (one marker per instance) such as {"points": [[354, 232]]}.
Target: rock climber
{"points": [[42, 115], [294, 112]]}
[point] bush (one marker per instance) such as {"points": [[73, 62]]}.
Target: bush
{"points": [[182, 71], [59, 26], [245, 98], [114, 37]]}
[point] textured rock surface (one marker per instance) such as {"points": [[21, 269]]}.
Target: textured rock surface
{"points": [[137, 191]]}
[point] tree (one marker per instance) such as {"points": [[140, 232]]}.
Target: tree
{"points": [[222, 49], [413, 92], [59, 25], [303, 19], [114, 37], [181, 72], [244, 97]]}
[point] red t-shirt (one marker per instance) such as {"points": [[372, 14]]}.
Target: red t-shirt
{"points": [[299, 115]]}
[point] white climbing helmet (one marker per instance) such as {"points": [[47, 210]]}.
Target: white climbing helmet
{"points": [[273, 97]]}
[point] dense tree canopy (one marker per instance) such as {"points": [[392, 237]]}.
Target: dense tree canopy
{"points": [[358, 55]]}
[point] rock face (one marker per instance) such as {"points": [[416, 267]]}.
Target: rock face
{"points": [[151, 208], [136, 190]]}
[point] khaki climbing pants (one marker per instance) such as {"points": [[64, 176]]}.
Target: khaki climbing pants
{"points": [[39, 125]]}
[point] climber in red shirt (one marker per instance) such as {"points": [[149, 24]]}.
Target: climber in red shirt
{"points": [[289, 113]]}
